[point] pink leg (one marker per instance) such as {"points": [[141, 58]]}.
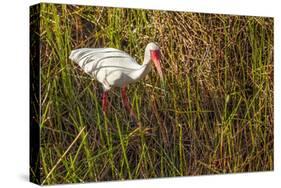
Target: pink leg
{"points": [[127, 105], [104, 101]]}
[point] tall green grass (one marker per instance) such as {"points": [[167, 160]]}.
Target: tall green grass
{"points": [[216, 115]]}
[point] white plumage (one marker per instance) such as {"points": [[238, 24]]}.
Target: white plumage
{"points": [[112, 67], [109, 66]]}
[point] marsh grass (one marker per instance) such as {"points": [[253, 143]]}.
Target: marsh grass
{"points": [[216, 115]]}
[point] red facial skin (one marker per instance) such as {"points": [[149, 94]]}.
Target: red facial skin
{"points": [[155, 56]]}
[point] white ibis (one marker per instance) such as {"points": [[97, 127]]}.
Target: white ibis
{"points": [[115, 68]]}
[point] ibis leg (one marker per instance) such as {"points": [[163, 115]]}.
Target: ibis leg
{"points": [[127, 105], [104, 101]]}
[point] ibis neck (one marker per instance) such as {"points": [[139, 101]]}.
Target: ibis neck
{"points": [[143, 70]]}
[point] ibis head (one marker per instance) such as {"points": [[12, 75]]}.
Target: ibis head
{"points": [[154, 51]]}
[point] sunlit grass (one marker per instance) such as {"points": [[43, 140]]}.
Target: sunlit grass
{"points": [[215, 117]]}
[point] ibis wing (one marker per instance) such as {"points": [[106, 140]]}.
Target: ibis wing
{"points": [[90, 59]]}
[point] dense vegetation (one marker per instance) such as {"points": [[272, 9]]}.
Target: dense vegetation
{"points": [[216, 115]]}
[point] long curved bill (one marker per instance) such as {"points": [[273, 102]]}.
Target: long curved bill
{"points": [[159, 70]]}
